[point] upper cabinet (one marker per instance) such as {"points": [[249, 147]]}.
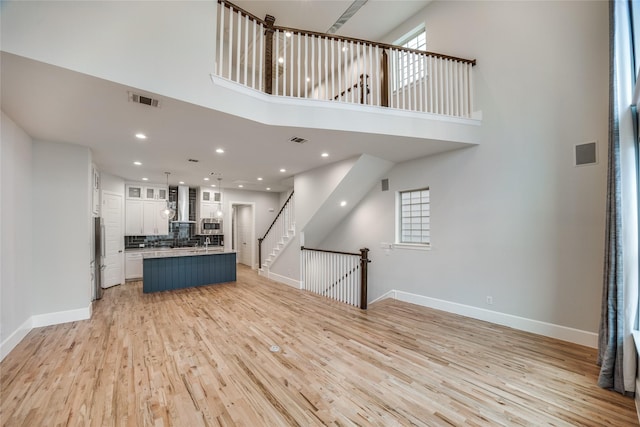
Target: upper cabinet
{"points": [[134, 192], [209, 196], [146, 192], [209, 203], [142, 210]]}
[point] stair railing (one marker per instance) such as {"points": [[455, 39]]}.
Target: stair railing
{"points": [[341, 276], [282, 225], [305, 64]]}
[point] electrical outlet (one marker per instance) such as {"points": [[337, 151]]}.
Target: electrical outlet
{"points": [[490, 300]]}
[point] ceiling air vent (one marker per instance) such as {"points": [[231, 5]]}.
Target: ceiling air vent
{"points": [[298, 140], [142, 99]]}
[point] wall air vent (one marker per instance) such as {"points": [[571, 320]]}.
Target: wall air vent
{"points": [[298, 140], [586, 154], [143, 99]]}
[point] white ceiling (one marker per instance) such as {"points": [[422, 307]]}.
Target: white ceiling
{"points": [[55, 104]]}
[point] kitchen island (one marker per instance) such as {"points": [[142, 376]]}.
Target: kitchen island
{"points": [[167, 270]]}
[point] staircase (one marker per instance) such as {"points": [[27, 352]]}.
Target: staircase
{"points": [[278, 236]]}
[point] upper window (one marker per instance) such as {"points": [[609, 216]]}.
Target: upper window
{"points": [[407, 67], [414, 217]]}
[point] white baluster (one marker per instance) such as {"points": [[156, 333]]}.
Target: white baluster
{"points": [[230, 42]]}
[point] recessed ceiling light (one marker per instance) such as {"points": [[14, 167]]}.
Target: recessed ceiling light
{"points": [[181, 182], [141, 136], [145, 179], [281, 60], [268, 188], [283, 170], [343, 203], [259, 178], [137, 163], [240, 186], [325, 154], [219, 150], [213, 185]]}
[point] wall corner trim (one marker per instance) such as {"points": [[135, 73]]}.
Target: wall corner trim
{"points": [[40, 320], [283, 279], [14, 339]]}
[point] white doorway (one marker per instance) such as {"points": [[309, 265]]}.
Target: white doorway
{"points": [[112, 213], [243, 232]]}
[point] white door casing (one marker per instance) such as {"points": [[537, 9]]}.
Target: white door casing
{"points": [[112, 214]]}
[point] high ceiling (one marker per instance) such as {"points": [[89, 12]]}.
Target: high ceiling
{"points": [[55, 104]]}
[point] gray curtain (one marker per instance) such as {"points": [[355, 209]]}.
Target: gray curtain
{"points": [[611, 333]]}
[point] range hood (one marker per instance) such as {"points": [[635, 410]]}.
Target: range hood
{"points": [[182, 205]]}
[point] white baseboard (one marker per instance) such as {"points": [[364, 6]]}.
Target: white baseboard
{"points": [[577, 336], [57, 317], [14, 339]]}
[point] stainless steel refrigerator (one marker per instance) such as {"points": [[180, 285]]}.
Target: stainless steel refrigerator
{"points": [[97, 267]]}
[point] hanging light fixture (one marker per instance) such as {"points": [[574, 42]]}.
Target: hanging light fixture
{"points": [[168, 212], [219, 211]]}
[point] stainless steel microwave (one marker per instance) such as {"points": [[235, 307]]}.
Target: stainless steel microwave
{"points": [[210, 226]]}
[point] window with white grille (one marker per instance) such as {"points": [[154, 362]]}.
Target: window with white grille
{"points": [[407, 67], [414, 217]]}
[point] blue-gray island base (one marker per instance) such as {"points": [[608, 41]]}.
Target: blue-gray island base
{"points": [[178, 272]]}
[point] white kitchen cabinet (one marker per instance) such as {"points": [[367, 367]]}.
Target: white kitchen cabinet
{"points": [[153, 222], [143, 218], [134, 225], [134, 192], [209, 196], [133, 266], [146, 192], [156, 193], [209, 203], [208, 210]]}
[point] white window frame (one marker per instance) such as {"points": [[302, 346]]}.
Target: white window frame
{"points": [[403, 79], [399, 241]]}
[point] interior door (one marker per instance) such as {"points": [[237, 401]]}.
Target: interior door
{"points": [[113, 236], [244, 231]]}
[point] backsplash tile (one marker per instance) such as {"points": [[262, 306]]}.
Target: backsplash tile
{"points": [[180, 235]]}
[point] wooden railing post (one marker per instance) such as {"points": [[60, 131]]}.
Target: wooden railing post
{"points": [[384, 84], [364, 262], [268, 54]]}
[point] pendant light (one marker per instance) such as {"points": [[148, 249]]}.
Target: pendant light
{"points": [[168, 212], [219, 211]]}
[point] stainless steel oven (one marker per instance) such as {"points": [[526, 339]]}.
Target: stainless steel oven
{"points": [[210, 226]]}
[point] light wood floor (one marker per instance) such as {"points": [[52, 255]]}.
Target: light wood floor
{"points": [[201, 357]]}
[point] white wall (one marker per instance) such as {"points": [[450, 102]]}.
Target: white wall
{"points": [[311, 190], [158, 46], [511, 218], [112, 183], [266, 208], [15, 234], [61, 232]]}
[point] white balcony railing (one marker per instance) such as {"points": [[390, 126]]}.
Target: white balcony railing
{"points": [[303, 64], [340, 276]]}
